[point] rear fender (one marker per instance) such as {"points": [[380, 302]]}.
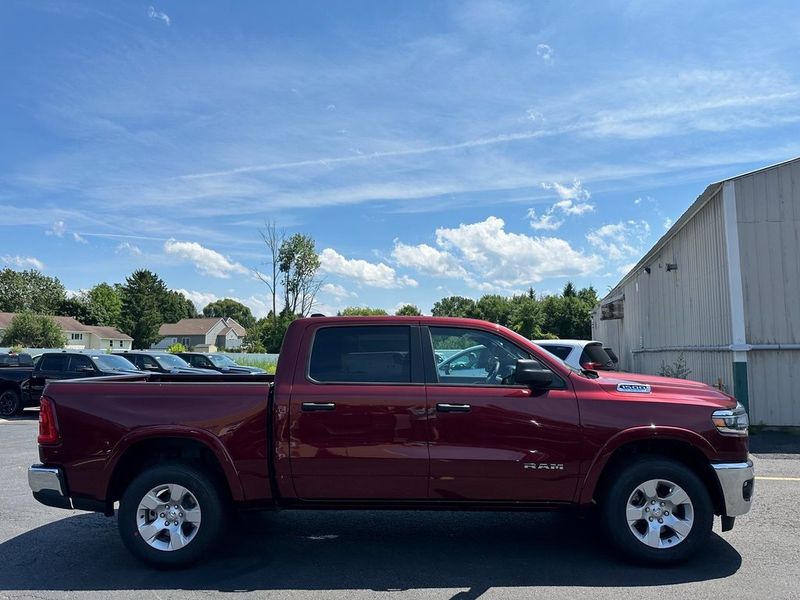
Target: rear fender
{"points": [[178, 432]]}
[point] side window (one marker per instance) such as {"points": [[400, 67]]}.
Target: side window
{"points": [[561, 352], [361, 354], [78, 363], [149, 363], [54, 362], [474, 357]]}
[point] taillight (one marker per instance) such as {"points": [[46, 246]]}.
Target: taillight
{"points": [[48, 426]]}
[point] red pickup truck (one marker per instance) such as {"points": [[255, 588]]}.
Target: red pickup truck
{"points": [[397, 412]]}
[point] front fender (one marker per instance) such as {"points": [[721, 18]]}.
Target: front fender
{"points": [[637, 434]]}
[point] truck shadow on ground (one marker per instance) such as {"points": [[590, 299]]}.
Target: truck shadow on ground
{"points": [[325, 550]]}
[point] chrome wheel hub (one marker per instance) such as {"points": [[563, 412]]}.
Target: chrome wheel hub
{"points": [[659, 513], [168, 517]]}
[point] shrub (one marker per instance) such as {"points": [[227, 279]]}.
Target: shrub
{"points": [[176, 347], [677, 370]]}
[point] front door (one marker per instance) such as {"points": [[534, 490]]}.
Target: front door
{"points": [[358, 423], [490, 438]]}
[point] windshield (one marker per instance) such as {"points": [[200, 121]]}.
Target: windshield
{"points": [[112, 362], [220, 360], [170, 361]]}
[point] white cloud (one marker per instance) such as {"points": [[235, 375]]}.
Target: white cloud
{"points": [[573, 201], [128, 248], [544, 222], [668, 223], [620, 240], [207, 261], [22, 262], [502, 260], [58, 229], [200, 299], [79, 238], [158, 15], [372, 274], [623, 269], [260, 306], [545, 52], [337, 291], [427, 259]]}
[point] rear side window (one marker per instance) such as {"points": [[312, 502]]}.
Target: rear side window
{"points": [[78, 363], [595, 353], [54, 362], [361, 354], [561, 352]]}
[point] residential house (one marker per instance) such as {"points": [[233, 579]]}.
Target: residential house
{"points": [[79, 336], [207, 334]]}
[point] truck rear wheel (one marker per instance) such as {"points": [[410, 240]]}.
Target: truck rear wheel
{"points": [[171, 515], [657, 511], [10, 403]]}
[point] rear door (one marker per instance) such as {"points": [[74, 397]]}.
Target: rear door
{"points": [[492, 439], [50, 367], [358, 422]]}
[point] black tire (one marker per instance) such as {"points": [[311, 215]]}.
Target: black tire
{"points": [[209, 500], [614, 503], [10, 403]]}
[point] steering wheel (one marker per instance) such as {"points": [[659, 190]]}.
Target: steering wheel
{"points": [[492, 367]]}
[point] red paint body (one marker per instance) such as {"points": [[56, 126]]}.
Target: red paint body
{"points": [[384, 444]]}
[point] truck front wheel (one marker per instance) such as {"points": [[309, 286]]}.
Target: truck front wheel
{"points": [[171, 515], [657, 511], [10, 403]]}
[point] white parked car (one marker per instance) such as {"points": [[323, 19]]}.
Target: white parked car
{"points": [[581, 354]]}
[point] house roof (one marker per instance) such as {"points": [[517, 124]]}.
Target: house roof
{"points": [[199, 326], [71, 324], [107, 333]]}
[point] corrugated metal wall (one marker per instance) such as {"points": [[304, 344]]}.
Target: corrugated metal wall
{"points": [[768, 216], [686, 307]]}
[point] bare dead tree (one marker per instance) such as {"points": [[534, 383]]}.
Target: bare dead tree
{"points": [[273, 239]]}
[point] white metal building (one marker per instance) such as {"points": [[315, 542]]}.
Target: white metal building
{"points": [[722, 286]]}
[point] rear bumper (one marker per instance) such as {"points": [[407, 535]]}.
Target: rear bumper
{"points": [[48, 486], [736, 482]]}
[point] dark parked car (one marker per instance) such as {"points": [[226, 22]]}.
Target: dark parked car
{"points": [[217, 362], [164, 363], [53, 366], [15, 370]]}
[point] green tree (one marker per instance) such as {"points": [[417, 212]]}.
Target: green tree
{"points": [[33, 331], [569, 315], [30, 291], [298, 264], [175, 306], [142, 296], [228, 307], [362, 311], [105, 304], [409, 310], [526, 315], [267, 333], [77, 308], [454, 306], [495, 309]]}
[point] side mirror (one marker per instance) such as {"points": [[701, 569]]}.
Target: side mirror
{"points": [[531, 372]]}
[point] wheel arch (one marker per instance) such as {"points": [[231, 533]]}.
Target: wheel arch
{"points": [[684, 446], [146, 448]]}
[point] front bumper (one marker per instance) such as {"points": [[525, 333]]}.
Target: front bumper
{"points": [[736, 482], [48, 486]]}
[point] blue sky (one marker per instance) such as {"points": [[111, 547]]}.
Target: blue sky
{"points": [[429, 148]]}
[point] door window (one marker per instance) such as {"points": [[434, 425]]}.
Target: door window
{"points": [[149, 364], [54, 362], [361, 354], [78, 363], [474, 357]]}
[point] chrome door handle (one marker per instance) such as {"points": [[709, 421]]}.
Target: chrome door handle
{"points": [[452, 407], [315, 406]]}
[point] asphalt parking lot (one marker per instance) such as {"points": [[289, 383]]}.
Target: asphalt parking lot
{"points": [[51, 553]]}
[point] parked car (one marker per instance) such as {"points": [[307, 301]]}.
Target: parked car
{"points": [[358, 415], [581, 354], [164, 363], [15, 370], [217, 362]]}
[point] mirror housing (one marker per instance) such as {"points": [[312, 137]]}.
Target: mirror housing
{"points": [[531, 373]]}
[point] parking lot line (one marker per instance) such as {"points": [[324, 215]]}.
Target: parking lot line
{"points": [[778, 478]]}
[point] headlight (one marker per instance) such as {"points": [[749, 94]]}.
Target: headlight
{"points": [[731, 422]]}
